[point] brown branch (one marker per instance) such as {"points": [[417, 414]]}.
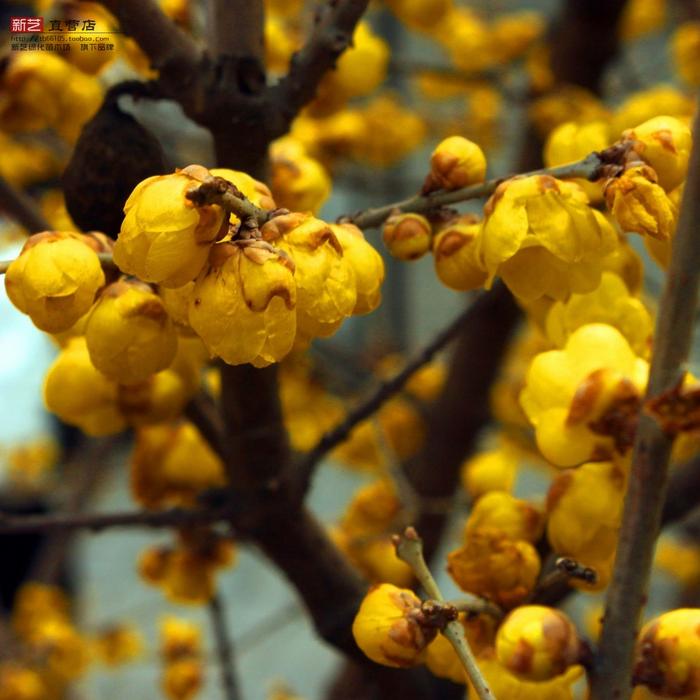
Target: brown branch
{"points": [[170, 50], [331, 35], [641, 520], [97, 522], [588, 168], [22, 208], [224, 648], [385, 391]]}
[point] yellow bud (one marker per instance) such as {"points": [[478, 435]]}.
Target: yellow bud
{"points": [[55, 278], [177, 303], [164, 238], [183, 679], [118, 644], [242, 305], [515, 518], [387, 630], [324, 278], [179, 638], [129, 334], [639, 205], [299, 182], [421, 15], [456, 255], [372, 511], [668, 654], [80, 395], [537, 643], [407, 236], [647, 104], [685, 47], [582, 527], [491, 565], [455, 163], [366, 263], [162, 471], [18, 683], [493, 470], [664, 143]]}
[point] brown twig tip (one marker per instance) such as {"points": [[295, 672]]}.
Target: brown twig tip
{"points": [[574, 569], [218, 190]]}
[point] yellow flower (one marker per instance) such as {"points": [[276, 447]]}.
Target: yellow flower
{"points": [[610, 303], [65, 652], [19, 683], [456, 162], [30, 90], [490, 471], [386, 629], [407, 236], [646, 104], [685, 48], [466, 38], [89, 61], [493, 566], [420, 15], [680, 560], [572, 141], [183, 679], [162, 465], [537, 643], [179, 638], [542, 238], [129, 335], [324, 278], [668, 654], [660, 249], [81, 97], [81, 395], [118, 644], [299, 182], [663, 143], [281, 41], [366, 263], [181, 650], [360, 69], [35, 604], [242, 305], [566, 103], [55, 278], [164, 237], [441, 658], [641, 17], [515, 518], [513, 33], [507, 686], [582, 527], [456, 254], [639, 205], [568, 394], [388, 131], [176, 302]]}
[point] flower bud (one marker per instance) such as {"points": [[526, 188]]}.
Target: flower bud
{"points": [[491, 565], [456, 254], [455, 163], [537, 643], [367, 264], [493, 470], [164, 237], [299, 182], [663, 143], [515, 518], [324, 278], [183, 679], [55, 278], [685, 47], [80, 395], [640, 205], [668, 654], [407, 236], [129, 334], [387, 630], [242, 305]]}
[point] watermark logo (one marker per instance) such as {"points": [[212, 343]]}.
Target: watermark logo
{"points": [[26, 25]]}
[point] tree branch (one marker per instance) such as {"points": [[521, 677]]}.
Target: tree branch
{"points": [[170, 50], [385, 391], [224, 648], [641, 520], [332, 34], [22, 208]]}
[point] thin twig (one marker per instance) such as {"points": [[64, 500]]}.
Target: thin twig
{"points": [[409, 548], [641, 520], [97, 522], [588, 168], [217, 190], [22, 208], [381, 395], [474, 605], [224, 648]]}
